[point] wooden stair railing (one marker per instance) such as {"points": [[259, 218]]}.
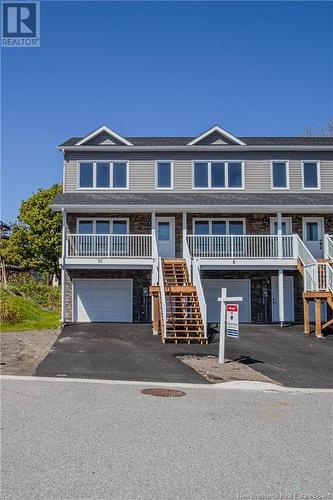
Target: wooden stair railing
{"points": [[183, 315]]}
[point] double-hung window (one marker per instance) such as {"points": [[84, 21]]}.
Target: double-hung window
{"points": [[311, 174], [103, 175], [218, 175], [279, 175], [164, 175]]}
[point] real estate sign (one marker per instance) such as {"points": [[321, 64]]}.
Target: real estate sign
{"points": [[232, 320]]}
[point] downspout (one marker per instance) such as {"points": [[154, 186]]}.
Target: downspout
{"points": [[63, 266]]}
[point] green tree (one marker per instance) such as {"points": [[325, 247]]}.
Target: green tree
{"points": [[35, 240]]}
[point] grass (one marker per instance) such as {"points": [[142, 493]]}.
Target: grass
{"points": [[32, 317]]}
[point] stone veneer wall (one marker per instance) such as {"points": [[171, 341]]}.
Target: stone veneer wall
{"points": [[260, 279], [260, 223], [141, 279]]}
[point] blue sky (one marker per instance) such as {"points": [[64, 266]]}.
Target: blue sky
{"points": [[160, 68]]}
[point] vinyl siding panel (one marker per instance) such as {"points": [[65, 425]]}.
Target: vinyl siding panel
{"points": [[256, 168]]}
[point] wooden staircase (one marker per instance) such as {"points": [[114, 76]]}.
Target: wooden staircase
{"points": [[183, 316], [322, 293]]}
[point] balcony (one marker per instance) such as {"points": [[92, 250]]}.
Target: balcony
{"points": [[243, 249], [110, 249]]}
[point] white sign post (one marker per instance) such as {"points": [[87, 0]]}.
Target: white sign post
{"points": [[232, 317]]}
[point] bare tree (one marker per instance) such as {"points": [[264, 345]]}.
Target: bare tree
{"points": [[323, 132]]}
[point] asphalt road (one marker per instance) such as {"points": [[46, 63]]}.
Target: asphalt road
{"points": [[80, 440]]}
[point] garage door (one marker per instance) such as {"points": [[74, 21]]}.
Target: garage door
{"points": [[103, 300], [235, 288]]}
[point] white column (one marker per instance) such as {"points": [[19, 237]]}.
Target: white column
{"points": [[184, 224], [279, 234], [154, 275], [63, 263], [281, 296]]}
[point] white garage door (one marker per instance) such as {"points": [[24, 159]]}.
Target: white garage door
{"points": [[235, 288], [103, 300]]}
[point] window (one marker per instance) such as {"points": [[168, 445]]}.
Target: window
{"points": [[86, 174], [103, 175], [310, 175], [102, 226], [219, 227], [218, 175], [164, 175], [163, 231], [279, 175]]}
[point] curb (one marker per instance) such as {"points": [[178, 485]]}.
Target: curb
{"points": [[239, 385]]}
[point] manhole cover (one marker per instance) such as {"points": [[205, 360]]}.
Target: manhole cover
{"points": [[164, 393]]}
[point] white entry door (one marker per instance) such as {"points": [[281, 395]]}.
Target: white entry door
{"points": [[102, 300], [165, 234], [288, 286], [313, 235], [235, 288]]}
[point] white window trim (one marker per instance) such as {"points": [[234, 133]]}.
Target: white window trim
{"points": [[94, 187], [218, 219], [226, 188], [287, 220], [171, 175], [104, 219], [317, 162], [287, 174]]}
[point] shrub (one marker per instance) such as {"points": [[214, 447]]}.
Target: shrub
{"points": [[44, 296], [9, 308]]}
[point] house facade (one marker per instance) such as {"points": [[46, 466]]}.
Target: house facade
{"points": [[251, 214]]}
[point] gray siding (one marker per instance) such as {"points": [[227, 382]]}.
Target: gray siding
{"points": [[256, 167]]}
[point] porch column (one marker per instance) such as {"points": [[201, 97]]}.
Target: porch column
{"points": [[154, 275], [281, 297], [63, 264], [184, 224], [279, 234]]}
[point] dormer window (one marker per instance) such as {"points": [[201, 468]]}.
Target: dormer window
{"points": [[218, 175], [103, 175]]}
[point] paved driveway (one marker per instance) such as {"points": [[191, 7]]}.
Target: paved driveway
{"points": [[118, 351], [130, 352]]}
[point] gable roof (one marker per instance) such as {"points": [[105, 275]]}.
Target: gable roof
{"points": [[223, 133], [250, 141], [106, 130]]}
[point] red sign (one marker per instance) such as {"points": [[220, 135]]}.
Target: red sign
{"points": [[232, 307]]}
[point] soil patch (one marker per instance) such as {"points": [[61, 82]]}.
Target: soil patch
{"points": [[21, 352], [210, 368]]}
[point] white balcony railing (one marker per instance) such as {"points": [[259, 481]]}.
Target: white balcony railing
{"points": [[328, 246], [109, 245], [241, 247]]}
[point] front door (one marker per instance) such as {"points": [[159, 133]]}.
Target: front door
{"points": [[288, 286], [313, 235], [165, 234]]}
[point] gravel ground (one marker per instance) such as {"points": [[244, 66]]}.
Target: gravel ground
{"points": [[21, 352], [210, 368]]}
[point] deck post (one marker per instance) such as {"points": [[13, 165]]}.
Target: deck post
{"points": [[306, 311], [156, 318], [279, 234], [281, 297], [318, 318]]}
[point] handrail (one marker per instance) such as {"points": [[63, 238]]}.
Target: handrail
{"points": [[328, 246], [201, 297], [302, 252], [109, 245], [248, 246], [154, 249], [162, 296], [318, 277], [187, 256]]}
